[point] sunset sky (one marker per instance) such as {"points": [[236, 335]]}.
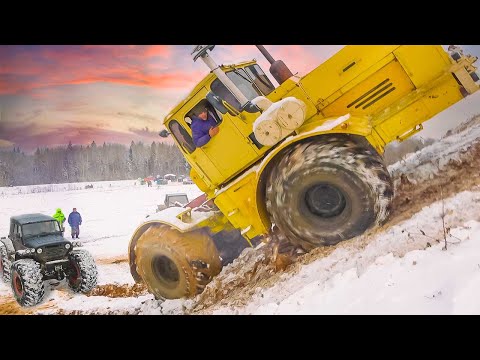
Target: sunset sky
{"points": [[50, 95]]}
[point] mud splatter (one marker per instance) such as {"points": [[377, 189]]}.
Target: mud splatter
{"points": [[119, 291]]}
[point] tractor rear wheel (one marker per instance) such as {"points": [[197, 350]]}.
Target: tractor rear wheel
{"points": [[328, 190], [174, 264]]}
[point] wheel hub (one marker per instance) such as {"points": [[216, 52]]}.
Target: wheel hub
{"points": [[325, 200], [166, 271], [18, 286], [75, 277]]}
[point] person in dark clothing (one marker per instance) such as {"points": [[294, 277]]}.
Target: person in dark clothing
{"points": [[204, 127], [75, 220]]}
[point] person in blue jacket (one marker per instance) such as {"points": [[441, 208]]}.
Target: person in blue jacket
{"points": [[75, 220], [204, 127]]}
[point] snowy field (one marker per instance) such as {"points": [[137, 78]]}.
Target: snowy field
{"points": [[111, 211], [402, 269]]}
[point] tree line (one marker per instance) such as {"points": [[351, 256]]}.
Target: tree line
{"points": [[110, 162], [396, 151], [78, 163]]}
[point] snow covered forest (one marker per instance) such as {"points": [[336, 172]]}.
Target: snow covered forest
{"points": [[110, 162], [74, 163]]}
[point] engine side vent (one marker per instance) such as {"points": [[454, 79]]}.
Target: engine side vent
{"points": [[373, 95]]}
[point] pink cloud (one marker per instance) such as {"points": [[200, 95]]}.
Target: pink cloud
{"points": [[158, 50], [128, 65], [32, 135]]}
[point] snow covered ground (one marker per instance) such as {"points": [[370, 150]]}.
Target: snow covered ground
{"points": [[401, 268], [111, 211], [401, 271]]}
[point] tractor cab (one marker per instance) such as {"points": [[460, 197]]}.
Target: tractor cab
{"points": [[234, 148]]}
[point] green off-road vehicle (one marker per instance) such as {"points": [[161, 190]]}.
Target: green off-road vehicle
{"points": [[35, 251]]}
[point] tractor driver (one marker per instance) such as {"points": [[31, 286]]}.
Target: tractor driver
{"points": [[204, 127]]}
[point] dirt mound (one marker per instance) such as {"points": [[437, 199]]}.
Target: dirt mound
{"points": [[114, 260], [106, 311], [119, 291], [9, 306], [254, 270], [412, 196]]}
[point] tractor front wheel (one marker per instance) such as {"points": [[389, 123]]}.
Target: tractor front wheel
{"points": [[174, 264]]}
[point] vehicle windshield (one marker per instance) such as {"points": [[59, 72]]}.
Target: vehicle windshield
{"points": [[251, 81], [40, 229], [177, 198]]}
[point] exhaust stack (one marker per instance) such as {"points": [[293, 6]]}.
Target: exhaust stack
{"points": [[200, 51], [278, 69]]}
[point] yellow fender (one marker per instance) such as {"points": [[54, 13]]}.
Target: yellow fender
{"points": [[179, 218], [345, 124]]}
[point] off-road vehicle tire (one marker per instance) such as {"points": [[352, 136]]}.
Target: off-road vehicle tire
{"points": [[327, 190], [83, 276], [5, 264], [27, 282]]}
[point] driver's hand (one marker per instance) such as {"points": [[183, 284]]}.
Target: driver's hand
{"points": [[213, 131]]}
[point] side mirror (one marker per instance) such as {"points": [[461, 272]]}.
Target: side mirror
{"points": [[164, 133], [251, 108]]}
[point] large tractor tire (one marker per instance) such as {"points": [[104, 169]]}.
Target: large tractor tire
{"points": [[174, 265], [328, 190], [27, 282], [5, 264]]}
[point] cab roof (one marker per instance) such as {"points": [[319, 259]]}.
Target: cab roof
{"points": [[206, 80], [31, 218]]}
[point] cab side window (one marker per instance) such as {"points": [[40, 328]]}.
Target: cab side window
{"points": [[203, 104], [182, 136], [220, 90], [16, 231]]}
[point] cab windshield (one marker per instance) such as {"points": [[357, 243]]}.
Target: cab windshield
{"points": [[172, 200], [40, 229], [251, 81]]}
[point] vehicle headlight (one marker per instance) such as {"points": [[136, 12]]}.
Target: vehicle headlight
{"points": [[39, 250], [67, 246], [31, 251]]}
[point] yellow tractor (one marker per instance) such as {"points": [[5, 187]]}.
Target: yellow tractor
{"points": [[304, 157]]}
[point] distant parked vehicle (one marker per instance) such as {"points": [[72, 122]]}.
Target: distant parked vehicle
{"points": [[171, 177], [178, 199], [161, 181], [187, 181]]}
